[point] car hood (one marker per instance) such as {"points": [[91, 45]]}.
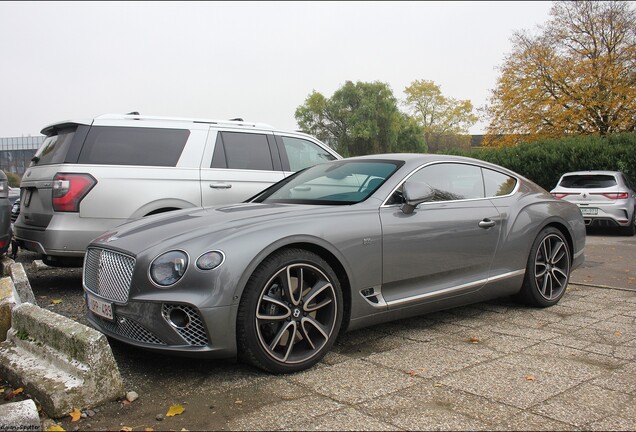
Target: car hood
{"points": [[177, 227]]}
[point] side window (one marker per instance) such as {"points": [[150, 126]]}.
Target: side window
{"points": [[107, 145], [498, 184], [303, 153], [452, 181], [238, 150]]}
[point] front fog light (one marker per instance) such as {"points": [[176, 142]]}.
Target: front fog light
{"points": [[168, 268], [210, 260]]}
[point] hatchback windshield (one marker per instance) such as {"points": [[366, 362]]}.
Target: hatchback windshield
{"points": [[336, 183], [588, 181]]}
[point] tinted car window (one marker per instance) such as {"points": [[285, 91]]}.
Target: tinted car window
{"points": [[133, 146], [452, 181], [498, 184], [302, 153], [237, 150], [54, 148], [596, 181]]}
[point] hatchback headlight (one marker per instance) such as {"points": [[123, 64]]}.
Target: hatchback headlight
{"points": [[168, 268]]}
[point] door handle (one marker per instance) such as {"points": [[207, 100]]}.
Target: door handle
{"points": [[486, 223], [220, 185]]}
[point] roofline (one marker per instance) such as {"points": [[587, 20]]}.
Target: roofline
{"points": [[88, 122]]}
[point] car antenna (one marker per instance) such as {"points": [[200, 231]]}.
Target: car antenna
{"points": [[133, 113], [237, 119]]}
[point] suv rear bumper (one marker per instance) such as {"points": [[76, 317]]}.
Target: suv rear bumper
{"points": [[67, 235]]}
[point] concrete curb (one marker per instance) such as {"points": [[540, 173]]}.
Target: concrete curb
{"points": [[63, 364], [20, 416]]}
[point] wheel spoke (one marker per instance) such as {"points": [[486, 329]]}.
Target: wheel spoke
{"points": [[310, 321], [271, 316], [289, 329], [540, 273], [557, 253], [315, 291]]}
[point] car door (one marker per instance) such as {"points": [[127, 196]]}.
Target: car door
{"points": [[446, 245], [241, 165]]}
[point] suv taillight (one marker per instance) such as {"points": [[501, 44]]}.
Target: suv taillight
{"points": [[560, 194], [69, 190]]}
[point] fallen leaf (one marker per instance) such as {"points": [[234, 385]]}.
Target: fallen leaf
{"points": [[56, 428], [473, 339], [13, 394], [238, 402], [531, 378], [125, 402], [175, 410], [56, 302], [618, 333], [75, 415], [437, 385], [125, 429]]}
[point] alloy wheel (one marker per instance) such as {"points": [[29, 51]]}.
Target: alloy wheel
{"points": [[552, 267], [296, 313]]}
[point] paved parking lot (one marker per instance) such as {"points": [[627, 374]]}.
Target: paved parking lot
{"points": [[492, 366]]}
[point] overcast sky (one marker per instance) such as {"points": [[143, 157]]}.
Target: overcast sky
{"points": [[258, 61]]}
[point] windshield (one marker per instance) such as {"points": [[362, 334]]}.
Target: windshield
{"points": [[336, 183]]}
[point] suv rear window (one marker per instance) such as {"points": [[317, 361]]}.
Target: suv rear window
{"points": [[588, 181], [107, 145], [54, 148]]}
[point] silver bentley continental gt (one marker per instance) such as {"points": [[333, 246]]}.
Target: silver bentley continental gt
{"points": [[339, 246]]}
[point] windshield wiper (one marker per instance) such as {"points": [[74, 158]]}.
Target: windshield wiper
{"points": [[35, 159]]}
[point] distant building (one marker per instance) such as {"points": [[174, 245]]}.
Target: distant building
{"points": [[16, 153]]}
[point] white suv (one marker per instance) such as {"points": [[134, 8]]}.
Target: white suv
{"points": [[90, 176]]}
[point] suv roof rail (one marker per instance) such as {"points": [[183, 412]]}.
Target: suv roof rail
{"points": [[233, 122]]}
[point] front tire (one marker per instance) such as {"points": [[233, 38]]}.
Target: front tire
{"points": [[547, 270], [290, 313]]}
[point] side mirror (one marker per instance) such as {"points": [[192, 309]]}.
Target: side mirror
{"points": [[415, 193]]}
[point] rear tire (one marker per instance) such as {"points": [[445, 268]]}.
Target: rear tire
{"points": [[630, 230], [547, 270]]}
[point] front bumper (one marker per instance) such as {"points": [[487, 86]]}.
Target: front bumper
{"points": [[209, 332]]}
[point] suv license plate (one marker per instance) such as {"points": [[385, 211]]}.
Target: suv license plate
{"points": [[99, 307], [589, 211]]}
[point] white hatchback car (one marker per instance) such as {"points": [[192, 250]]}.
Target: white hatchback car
{"points": [[605, 198], [89, 176]]}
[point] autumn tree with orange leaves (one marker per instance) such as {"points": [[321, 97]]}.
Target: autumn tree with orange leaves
{"points": [[576, 76]]}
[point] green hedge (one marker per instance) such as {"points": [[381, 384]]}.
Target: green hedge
{"points": [[545, 161]]}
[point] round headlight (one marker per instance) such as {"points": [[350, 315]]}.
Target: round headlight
{"points": [[210, 260], [168, 268]]}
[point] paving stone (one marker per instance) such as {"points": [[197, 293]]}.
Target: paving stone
{"points": [[583, 404], [285, 414], [347, 419], [429, 406], [431, 359], [353, 381], [621, 379], [506, 381], [527, 421]]}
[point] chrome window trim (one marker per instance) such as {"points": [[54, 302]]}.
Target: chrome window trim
{"points": [[421, 167]]}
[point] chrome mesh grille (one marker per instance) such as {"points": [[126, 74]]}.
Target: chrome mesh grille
{"points": [[194, 333], [108, 274], [131, 330]]}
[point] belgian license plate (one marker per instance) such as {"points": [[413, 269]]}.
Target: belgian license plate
{"points": [[99, 307], [589, 211]]}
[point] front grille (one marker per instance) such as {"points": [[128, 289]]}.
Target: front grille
{"points": [[108, 274], [194, 332], [131, 330]]}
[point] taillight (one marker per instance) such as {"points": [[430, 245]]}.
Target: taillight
{"points": [[614, 195], [560, 195], [69, 190]]}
